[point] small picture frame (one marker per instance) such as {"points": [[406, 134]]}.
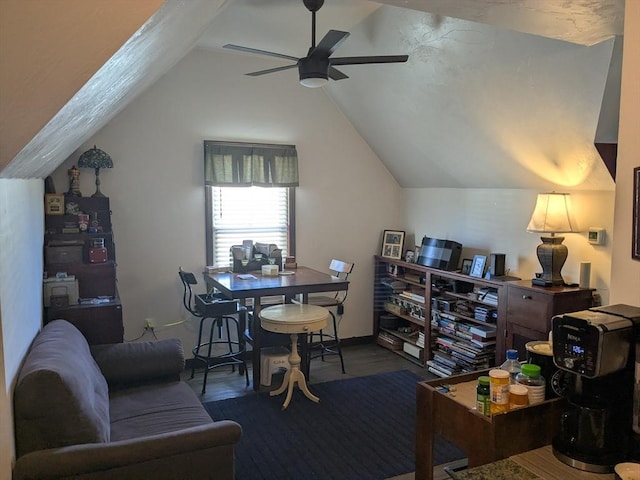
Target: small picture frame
{"points": [[477, 266], [54, 204], [410, 256], [466, 266], [392, 244]]}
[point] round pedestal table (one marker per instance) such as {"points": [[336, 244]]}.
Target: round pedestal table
{"points": [[294, 319]]}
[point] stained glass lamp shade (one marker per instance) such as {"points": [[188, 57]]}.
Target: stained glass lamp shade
{"points": [[96, 159]]}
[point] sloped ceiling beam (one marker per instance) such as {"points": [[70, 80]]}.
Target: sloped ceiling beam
{"points": [[71, 118], [584, 22]]}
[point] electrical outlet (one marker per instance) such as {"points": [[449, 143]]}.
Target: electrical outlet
{"points": [[148, 324]]}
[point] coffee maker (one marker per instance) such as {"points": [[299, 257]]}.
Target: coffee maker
{"points": [[601, 426]]}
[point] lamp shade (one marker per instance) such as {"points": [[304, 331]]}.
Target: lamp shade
{"points": [[95, 158], [552, 214]]}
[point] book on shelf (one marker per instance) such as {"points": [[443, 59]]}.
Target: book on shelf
{"points": [[485, 314], [437, 370], [488, 295], [483, 342], [482, 331], [412, 296]]}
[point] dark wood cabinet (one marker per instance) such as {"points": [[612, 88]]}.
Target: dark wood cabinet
{"points": [[531, 308], [72, 240], [101, 323]]}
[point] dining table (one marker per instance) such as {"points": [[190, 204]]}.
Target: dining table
{"points": [[293, 284]]}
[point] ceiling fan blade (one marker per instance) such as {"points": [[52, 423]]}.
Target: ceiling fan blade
{"points": [[329, 43], [271, 70], [335, 74], [259, 52], [373, 59]]}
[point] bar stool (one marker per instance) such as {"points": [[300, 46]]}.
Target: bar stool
{"points": [[294, 319], [217, 315]]}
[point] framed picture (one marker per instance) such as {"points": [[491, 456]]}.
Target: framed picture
{"points": [[635, 241], [54, 204], [466, 266], [410, 256], [477, 266], [392, 244]]}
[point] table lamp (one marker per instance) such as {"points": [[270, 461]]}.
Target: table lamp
{"points": [[552, 215], [97, 159]]}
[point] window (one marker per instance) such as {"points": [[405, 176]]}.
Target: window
{"points": [[248, 213], [249, 191]]}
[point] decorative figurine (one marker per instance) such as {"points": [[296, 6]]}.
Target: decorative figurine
{"points": [[74, 182]]}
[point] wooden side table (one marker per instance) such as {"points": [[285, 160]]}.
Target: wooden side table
{"points": [[484, 439], [294, 319]]}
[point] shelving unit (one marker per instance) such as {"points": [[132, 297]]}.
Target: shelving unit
{"points": [[435, 318], [97, 310], [441, 315]]}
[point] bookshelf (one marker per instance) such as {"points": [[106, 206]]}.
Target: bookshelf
{"points": [[448, 322]]}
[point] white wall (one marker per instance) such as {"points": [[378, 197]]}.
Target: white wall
{"points": [[625, 286], [21, 238], [488, 221], [345, 199]]}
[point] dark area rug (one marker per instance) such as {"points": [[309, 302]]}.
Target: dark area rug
{"points": [[363, 428]]}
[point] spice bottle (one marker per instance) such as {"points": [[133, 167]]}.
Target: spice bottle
{"points": [[483, 396]]}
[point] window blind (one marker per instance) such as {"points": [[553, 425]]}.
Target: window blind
{"points": [[250, 213]]}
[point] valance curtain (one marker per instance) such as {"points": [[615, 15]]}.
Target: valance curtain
{"points": [[249, 164]]}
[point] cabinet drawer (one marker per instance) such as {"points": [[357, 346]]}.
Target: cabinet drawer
{"points": [[529, 308]]}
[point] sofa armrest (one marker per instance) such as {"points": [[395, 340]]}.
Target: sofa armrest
{"points": [[205, 451], [127, 363]]}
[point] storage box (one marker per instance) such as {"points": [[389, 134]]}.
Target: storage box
{"points": [[67, 253], [389, 341], [395, 309], [97, 255], [270, 270], [412, 350], [59, 287]]}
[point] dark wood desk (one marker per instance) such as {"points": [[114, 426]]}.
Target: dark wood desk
{"points": [[302, 282], [484, 439]]}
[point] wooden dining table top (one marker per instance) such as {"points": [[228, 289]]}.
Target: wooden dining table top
{"points": [[302, 280]]}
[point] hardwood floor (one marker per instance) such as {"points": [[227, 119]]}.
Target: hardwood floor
{"points": [[359, 361]]}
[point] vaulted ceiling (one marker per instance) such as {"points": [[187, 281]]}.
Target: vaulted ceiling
{"points": [[495, 94]]}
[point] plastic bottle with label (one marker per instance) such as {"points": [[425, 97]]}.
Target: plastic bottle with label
{"points": [[483, 396], [511, 365], [535, 383], [499, 390]]}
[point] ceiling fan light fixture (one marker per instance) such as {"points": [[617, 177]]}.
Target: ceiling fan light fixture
{"points": [[314, 82]]}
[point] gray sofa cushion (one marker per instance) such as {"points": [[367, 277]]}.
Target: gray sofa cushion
{"points": [[155, 409], [125, 364], [61, 397]]}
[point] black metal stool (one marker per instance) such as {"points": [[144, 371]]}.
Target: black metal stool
{"points": [[215, 313]]}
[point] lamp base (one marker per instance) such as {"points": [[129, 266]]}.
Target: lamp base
{"points": [[538, 282], [551, 254]]}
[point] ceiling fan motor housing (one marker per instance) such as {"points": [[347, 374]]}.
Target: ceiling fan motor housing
{"points": [[313, 67]]}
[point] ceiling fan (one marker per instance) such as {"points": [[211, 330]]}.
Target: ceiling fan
{"points": [[317, 67]]}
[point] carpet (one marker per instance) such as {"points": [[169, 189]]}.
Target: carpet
{"points": [[362, 429]]}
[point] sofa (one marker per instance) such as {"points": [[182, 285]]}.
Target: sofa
{"points": [[117, 411]]}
